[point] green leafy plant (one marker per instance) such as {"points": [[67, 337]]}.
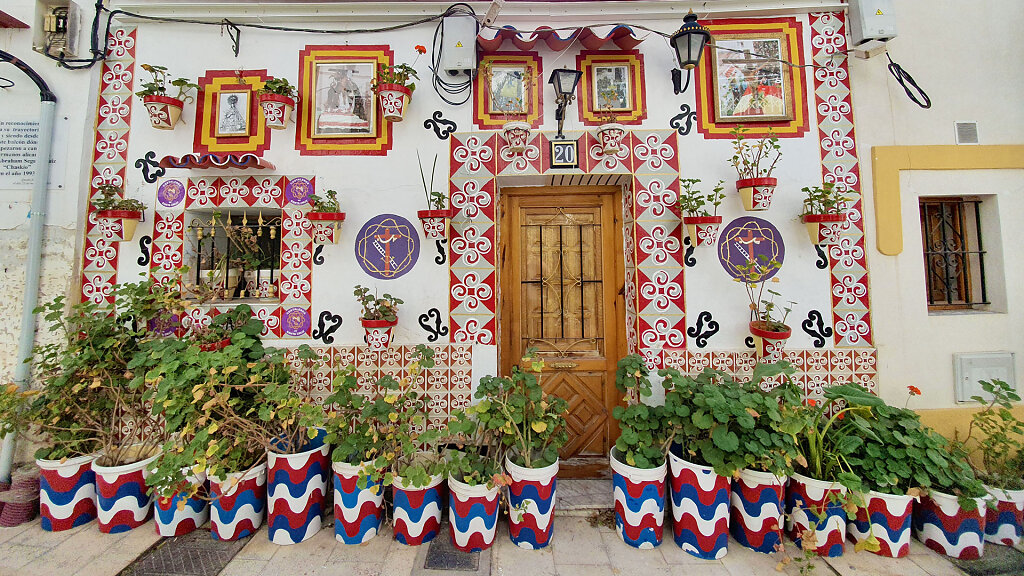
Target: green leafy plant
{"points": [[157, 85], [824, 199], [279, 86], [383, 308], [327, 203], [729, 424], [112, 198], [644, 439], [754, 158], [766, 313], [692, 202], [830, 434], [435, 200], [402, 74], [511, 104], [530, 422], [475, 458], [1002, 437], [606, 112]]}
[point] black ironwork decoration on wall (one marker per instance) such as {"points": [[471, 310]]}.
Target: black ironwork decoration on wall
{"points": [[437, 330], [688, 258], [699, 333], [749, 342], [442, 253], [318, 257], [327, 324], [144, 244], [442, 127], [822, 262], [150, 163], [683, 122], [815, 327]]}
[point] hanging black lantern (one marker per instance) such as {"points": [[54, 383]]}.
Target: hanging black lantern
{"points": [[689, 41], [564, 81]]}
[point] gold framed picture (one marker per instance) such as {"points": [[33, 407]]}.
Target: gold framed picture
{"points": [[750, 81], [342, 99], [611, 87]]}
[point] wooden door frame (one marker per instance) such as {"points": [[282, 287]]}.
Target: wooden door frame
{"points": [[504, 262]]}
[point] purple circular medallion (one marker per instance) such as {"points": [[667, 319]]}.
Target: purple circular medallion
{"points": [[170, 193], [295, 321], [298, 190], [747, 239], [387, 246]]}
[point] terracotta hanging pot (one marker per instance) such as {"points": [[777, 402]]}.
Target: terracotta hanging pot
{"points": [[756, 193], [435, 222], [394, 98], [610, 136], [769, 344], [517, 134], [128, 220], [277, 109], [703, 230], [326, 226], [164, 111], [824, 229]]}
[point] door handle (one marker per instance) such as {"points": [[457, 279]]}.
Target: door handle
{"points": [[563, 365]]}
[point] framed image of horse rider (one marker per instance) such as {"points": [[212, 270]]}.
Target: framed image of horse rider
{"points": [[343, 102], [751, 83]]}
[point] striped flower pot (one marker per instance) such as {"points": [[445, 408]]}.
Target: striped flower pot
{"points": [[240, 499], [639, 502], [1003, 523], [700, 508], [945, 527], [887, 516], [472, 515], [174, 520], [357, 511], [67, 493], [756, 193], [755, 518], [531, 503], [417, 510], [123, 502], [814, 505], [297, 486]]}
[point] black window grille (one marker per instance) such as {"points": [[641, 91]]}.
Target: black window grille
{"points": [[954, 255], [236, 254]]}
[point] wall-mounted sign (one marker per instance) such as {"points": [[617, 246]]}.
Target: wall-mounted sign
{"points": [[19, 139], [747, 239], [387, 246], [565, 154]]}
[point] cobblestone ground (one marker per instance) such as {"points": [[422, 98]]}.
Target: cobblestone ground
{"points": [[578, 549]]}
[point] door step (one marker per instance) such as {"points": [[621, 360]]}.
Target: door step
{"points": [[583, 497]]}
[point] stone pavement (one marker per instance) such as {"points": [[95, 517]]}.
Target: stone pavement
{"points": [[577, 549]]}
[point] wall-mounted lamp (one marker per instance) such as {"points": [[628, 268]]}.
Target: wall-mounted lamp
{"points": [[564, 81], [688, 43]]}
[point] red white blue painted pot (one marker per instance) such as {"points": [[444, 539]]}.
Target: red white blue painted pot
{"points": [[814, 505], [417, 510], [357, 511], [755, 519], [123, 501], [67, 493], [945, 527], [1003, 523], [887, 516], [639, 502], [472, 515], [172, 521], [531, 502], [296, 491], [700, 508], [240, 500]]}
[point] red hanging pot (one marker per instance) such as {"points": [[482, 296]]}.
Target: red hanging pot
{"points": [[756, 193]]}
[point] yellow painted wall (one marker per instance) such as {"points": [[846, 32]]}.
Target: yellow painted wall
{"points": [[948, 421]]}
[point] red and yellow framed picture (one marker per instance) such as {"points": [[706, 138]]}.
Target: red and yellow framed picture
{"points": [[227, 119], [508, 89], [612, 85]]}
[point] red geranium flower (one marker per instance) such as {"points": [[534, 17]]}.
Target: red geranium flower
{"points": [[914, 390], [812, 402], [421, 49], [841, 415]]}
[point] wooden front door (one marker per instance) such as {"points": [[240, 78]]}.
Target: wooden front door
{"points": [[561, 294]]}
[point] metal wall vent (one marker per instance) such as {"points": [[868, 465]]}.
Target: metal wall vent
{"points": [[966, 132]]}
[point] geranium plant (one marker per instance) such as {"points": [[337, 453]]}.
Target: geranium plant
{"points": [[279, 86], [384, 307], [693, 202], [1001, 440], [157, 85], [754, 158], [325, 204], [475, 456], [824, 199], [644, 439], [766, 313], [112, 198], [401, 74]]}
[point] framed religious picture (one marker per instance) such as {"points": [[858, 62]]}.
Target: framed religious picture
{"points": [[342, 99], [611, 87], [750, 82], [232, 113], [507, 89]]}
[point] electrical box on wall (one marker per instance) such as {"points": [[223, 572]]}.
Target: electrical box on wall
{"points": [[970, 368], [871, 20], [57, 28], [458, 45]]}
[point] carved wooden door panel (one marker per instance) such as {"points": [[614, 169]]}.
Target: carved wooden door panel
{"points": [[560, 293]]}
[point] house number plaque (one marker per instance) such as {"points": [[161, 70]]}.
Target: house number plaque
{"points": [[565, 154]]}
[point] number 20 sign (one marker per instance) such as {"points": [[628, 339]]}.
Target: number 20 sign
{"points": [[565, 154]]}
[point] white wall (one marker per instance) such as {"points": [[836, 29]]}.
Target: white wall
{"points": [[967, 60]]}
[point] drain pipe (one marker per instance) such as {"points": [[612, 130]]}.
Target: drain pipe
{"points": [[37, 218]]}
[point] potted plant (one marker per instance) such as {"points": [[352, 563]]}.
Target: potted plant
{"points": [[824, 213], [164, 110], [701, 224], [507, 98], [638, 458], [768, 326], [754, 163], [531, 425], [1001, 468], [113, 206], [435, 218], [379, 316], [475, 479], [610, 133], [326, 216], [277, 99], [394, 86]]}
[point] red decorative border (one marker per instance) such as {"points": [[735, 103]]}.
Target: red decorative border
{"points": [[585, 62], [210, 86], [535, 103]]}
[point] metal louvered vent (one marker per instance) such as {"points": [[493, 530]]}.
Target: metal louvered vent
{"points": [[966, 132]]}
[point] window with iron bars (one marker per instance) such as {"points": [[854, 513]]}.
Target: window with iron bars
{"points": [[235, 254], [954, 256]]}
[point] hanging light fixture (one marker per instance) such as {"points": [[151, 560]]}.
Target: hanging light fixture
{"points": [[688, 43], [564, 81]]}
